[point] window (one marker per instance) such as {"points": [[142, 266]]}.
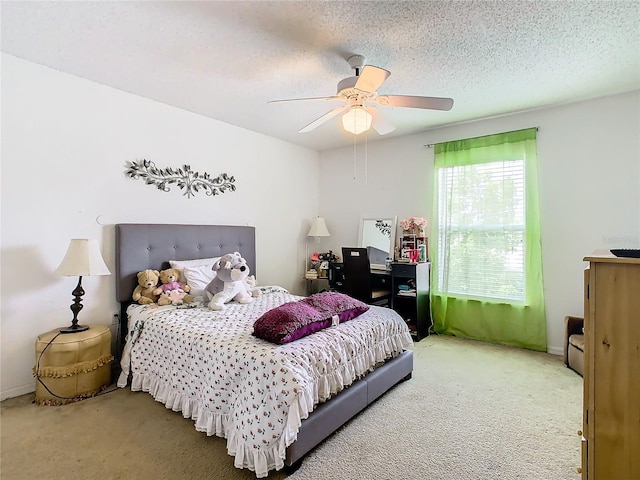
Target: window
{"points": [[487, 255], [482, 230]]}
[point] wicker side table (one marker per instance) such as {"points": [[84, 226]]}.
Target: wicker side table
{"points": [[72, 366]]}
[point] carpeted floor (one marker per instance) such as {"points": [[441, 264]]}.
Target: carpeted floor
{"points": [[471, 411]]}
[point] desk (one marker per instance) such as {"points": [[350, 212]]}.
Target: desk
{"points": [[380, 279], [413, 306], [336, 277], [410, 296]]}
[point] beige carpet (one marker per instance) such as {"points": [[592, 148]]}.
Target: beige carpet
{"points": [[472, 411]]}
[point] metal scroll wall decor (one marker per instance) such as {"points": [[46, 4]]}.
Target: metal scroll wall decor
{"points": [[184, 178]]}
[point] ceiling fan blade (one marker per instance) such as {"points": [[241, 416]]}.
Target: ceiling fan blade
{"points": [[305, 99], [371, 78], [319, 121], [430, 103], [380, 122]]}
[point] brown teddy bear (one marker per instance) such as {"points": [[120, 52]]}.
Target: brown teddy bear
{"points": [[172, 291], [147, 283]]}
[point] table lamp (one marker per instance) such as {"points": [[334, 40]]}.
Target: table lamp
{"points": [[318, 229], [83, 258]]}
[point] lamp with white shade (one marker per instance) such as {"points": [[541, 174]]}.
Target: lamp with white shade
{"points": [[318, 229], [83, 258]]}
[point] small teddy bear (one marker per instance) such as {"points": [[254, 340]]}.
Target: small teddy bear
{"points": [[169, 283], [173, 297], [144, 293]]}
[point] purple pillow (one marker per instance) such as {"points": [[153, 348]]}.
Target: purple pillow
{"points": [[334, 303], [295, 320]]}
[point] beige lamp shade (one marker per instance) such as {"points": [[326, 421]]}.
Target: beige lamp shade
{"points": [[318, 228], [83, 259]]}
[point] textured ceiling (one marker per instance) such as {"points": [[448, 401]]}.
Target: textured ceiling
{"points": [[226, 60]]}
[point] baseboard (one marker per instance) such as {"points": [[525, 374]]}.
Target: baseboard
{"points": [[17, 391], [555, 350]]}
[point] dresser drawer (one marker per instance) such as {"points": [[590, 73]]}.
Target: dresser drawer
{"points": [[403, 270]]}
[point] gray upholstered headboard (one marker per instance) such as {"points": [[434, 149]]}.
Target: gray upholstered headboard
{"points": [[150, 246]]}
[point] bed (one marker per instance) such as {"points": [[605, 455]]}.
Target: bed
{"points": [[192, 340]]}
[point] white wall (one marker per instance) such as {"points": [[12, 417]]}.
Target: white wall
{"points": [[589, 157], [65, 142]]}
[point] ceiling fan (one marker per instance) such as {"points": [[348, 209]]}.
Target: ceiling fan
{"points": [[360, 95]]}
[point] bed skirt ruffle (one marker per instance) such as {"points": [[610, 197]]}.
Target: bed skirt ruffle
{"points": [[321, 389]]}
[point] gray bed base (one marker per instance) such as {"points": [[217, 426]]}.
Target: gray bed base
{"points": [[331, 415], [151, 246]]}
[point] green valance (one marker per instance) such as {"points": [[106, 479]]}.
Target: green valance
{"points": [[486, 141]]}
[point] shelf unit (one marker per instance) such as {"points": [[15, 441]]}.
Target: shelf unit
{"points": [[410, 296], [411, 242]]}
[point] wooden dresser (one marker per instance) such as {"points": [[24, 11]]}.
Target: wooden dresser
{"points": [[611, 425]]}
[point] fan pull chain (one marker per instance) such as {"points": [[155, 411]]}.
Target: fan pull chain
{"points": [[366, 157], [354, 158]]}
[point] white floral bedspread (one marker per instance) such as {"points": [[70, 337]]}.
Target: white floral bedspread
{"points": [[207, 365]]}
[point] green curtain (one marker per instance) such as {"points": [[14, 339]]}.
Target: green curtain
{"points": [[516, 324]]}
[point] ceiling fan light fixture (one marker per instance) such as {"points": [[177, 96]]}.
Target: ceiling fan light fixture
{"points": [[362, 88], [356, 120]]}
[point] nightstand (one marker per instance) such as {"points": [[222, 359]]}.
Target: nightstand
{"points": [[315, 285], [73, 366]]}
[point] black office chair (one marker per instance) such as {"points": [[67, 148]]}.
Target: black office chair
{"points": [[357, 278]]}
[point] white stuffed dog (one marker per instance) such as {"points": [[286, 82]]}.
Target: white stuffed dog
{"points": [[230, 282]]}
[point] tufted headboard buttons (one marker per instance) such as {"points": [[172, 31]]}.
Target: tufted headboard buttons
{"points": [[161, 243]]}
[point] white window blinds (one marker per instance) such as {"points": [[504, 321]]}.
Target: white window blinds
{"points": [[481, 233]]}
